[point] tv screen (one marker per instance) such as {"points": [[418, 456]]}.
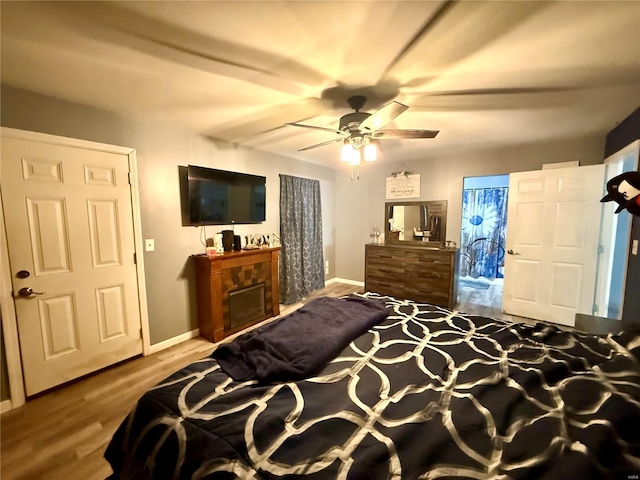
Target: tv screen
{"points": [[218, 197]]}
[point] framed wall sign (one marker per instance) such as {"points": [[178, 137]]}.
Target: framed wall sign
{"points": [[403, 186]]}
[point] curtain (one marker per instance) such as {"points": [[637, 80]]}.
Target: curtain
{"points": [[302, 262], [484, 223]]}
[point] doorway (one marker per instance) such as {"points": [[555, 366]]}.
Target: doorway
{"points": [[615, 236], [482, 240]]}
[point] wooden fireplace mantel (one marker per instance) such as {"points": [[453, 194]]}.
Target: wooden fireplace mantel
{"points": [[220, 276]]}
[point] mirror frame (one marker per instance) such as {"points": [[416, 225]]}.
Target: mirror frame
{"points": [[441, 204]]}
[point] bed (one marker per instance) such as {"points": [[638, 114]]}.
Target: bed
{"points": [[424, 392]]}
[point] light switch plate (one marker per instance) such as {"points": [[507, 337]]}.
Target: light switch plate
{"points": [[634, 247], [149, 245]]}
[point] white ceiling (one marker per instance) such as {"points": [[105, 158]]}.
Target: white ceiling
{"points": [[483, 73]]}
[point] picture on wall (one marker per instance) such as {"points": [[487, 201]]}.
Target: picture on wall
{"points": [[403, 186]]}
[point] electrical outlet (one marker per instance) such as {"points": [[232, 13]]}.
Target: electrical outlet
{"points": [[149, 245]]}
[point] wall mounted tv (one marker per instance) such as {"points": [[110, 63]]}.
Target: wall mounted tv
{"points": [[218, 197]]}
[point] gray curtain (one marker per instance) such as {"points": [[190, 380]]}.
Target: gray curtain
{"points": [[301, 256]]}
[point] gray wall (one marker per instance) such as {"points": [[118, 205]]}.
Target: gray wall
{"points": [[160, 149], [360, 203]]}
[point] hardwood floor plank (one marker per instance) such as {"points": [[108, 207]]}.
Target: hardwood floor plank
{"points": [[91, 467]]}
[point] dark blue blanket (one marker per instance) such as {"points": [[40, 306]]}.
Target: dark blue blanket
{"points": [[300, 344]]}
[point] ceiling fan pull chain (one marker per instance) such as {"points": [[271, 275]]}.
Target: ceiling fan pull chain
{"points": [[355, 170]]}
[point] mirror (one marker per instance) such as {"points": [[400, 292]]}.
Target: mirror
{"points": [[416, 222]]}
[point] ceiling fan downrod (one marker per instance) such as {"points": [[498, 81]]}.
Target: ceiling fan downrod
{"points": [[357, 102]]}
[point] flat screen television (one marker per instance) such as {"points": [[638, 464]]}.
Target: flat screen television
{"points": [[219, 197]]}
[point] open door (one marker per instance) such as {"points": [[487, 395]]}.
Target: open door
{"points": [[553, 222]]}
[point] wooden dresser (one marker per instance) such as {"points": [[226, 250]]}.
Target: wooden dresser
{"points": [[418, 273], [236, 290]]}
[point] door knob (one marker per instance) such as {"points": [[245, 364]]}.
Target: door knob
{"points": [[511, 252], [27, 292]]}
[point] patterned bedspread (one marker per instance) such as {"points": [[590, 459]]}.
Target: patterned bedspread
{"points": [[428, 393]]}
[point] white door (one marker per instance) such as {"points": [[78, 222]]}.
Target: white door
{"points": [[69, 225], [553, 220]]}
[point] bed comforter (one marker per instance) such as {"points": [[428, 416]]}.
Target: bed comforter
{"points": [[427, 393]]}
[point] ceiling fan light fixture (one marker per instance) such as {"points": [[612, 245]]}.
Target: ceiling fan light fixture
{"points": [[357, 130], [350, 154], [347, 151], [370, 152]]}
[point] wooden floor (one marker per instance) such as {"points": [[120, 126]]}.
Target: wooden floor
{"points": [[63, 434], [486, 302], [480, 301]]}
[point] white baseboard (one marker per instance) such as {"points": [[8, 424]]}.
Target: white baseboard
{"points": [[5, 406], [345, 280], [156, 347]]}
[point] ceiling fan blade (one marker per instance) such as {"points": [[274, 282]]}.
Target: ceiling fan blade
{"points": [[265, 120], [456, 32], [495, 99], [320, 144], [382, 117], [128, 28], [429, 24], [501, 91], [323, 129], [404, 133]]}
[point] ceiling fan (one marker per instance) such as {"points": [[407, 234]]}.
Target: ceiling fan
{"points": [[359, 128]]}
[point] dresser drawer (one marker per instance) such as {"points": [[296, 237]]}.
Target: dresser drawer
{"points": [[384, 264], [386, 271], [428, 284], [434, 273], [427, 259], [429, 277], [384, 256], [436, 297], [385, 287]]}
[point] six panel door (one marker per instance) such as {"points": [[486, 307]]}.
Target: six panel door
{"points": [[553, 222], [69, 222]]}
